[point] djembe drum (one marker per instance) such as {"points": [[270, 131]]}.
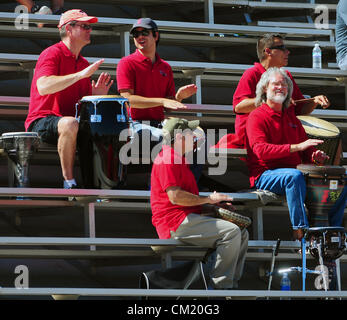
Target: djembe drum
{"points": [[316, 128], [326, 243], [19, 147], [101, 122], [324, 185]]}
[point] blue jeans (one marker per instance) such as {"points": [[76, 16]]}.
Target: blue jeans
{"points": [[337, 211], [292, 184]]}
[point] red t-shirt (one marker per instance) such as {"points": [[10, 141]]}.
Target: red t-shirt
{"points": [[149, 80], [170, 169], [246, 89], [269, 136], [57, 60]]}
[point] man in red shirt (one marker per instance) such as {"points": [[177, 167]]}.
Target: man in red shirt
{"points": [[147, 81], [271, 53], [61, 79], [277, 143], [177, 206]]}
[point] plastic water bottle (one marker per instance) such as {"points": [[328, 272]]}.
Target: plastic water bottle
{"points": [[316, 57], [285, 284]]}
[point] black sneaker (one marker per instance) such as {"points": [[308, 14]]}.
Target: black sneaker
{"points": [[74, 186]]}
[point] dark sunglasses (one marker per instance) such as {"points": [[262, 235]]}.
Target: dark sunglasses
{"points": [[137, 33], [83, 26], [282, 47]]}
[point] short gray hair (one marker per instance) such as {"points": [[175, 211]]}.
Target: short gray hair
{"points": [[264, 81], [62, 31]]}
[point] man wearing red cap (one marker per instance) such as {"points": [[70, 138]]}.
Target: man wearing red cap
{"points": [[61, 79], [147, 81]]}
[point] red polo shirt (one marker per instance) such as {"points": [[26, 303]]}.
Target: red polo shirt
{"points": [[146, 79], [246, 89], [170, 169], [269, 136], [59, 61]]}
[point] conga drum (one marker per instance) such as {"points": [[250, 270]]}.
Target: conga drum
{"points": [[19, 147], [101, 122], [324, 185], [316, 128], [326, 243]]}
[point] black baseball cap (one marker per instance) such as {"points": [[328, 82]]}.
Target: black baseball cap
{"points": [[146, 23]]}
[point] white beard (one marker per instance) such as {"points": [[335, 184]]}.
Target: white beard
{"points": [[277, 98]]}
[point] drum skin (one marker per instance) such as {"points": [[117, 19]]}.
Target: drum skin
{"points": [[324, 185], [316, 128], [101, 120]]}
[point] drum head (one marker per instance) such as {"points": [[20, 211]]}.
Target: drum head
{"points": [[328, 170], [319, 128], [104, 98]]}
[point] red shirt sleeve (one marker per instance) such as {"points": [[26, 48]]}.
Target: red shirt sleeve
{"points": [[125, 76], [47, 64], [246, 87], [171, 91], [170, 176]]}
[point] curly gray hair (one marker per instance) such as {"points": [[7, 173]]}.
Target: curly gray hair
{"points": [[263, 83]]}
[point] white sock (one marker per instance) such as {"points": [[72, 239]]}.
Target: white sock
{"points": [[69, 183]]}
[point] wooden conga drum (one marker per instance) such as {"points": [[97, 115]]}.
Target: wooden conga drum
{"points": [[326, 243]]}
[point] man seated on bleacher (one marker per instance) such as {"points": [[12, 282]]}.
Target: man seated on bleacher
{"points": [[271, 52], [147, 82], [277, 143], [176, 207], [61, 79]]}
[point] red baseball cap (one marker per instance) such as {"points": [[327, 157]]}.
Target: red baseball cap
{"points": [[75, 15]]}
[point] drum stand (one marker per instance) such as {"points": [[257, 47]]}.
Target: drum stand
{"points": [[323, 272], [321, 269]]}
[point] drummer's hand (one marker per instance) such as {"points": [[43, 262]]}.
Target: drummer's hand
{"points": [[216, 197], [186, 92], [103, 84], [173, 104], [305, 145], [226, 205], [322, 100], [319, 157], [88, 72]]}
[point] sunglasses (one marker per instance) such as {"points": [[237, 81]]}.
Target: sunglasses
{"points": [[137, 33], [281, 47], [83, 26]]}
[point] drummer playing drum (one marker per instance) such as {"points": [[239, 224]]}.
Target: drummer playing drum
{"points": [[277, 143], [61, 79]]}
